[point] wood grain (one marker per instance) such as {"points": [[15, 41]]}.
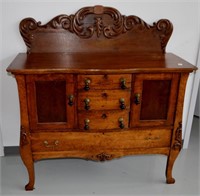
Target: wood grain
{"points": [[135, 89]]}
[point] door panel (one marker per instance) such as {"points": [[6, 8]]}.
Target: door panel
{"points": [[51, 108], [154, 99], [48, 100], [155, 96]]}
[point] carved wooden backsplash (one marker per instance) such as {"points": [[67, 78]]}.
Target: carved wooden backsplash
{"points": [[98, 29]]}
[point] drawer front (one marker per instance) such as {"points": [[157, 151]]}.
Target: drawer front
{"points": [[120, 81], [82, 142], [104, 100], [103, 119]]}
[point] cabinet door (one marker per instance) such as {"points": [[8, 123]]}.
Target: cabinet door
{"points": [[154, 99], [51, 101]]}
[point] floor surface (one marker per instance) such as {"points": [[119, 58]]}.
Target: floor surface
{"points": [[134, 175]]}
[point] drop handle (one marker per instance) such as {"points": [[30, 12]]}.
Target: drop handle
{"points": [[87, 121], [121, 123], [87, 84], [122, 103], [123, 83], [71, 100], [54, 144], [137, 98], [87, 102]]}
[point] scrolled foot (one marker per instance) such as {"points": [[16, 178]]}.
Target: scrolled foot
{"points": [[29, 187], [170, 181]]}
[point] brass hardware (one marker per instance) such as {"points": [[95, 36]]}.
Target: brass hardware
{"points": [[121, 122], [71, 98], [87, 101], [122, 103], [47, 145], [87, 83], [137, 98], [123, 83], [87, 121]]}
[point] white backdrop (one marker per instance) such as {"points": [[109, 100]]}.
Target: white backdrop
{"points": [[184, 41], [192, 104], [197, 108]]}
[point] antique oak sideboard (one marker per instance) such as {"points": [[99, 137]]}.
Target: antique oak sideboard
{"points": [[99, 85]]}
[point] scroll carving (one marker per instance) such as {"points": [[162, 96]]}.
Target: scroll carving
{"points": [[178, 138], [61, 21], [28, 27], [165, 28], [104, 22]]}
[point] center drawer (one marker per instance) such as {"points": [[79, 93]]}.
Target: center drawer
{"points": [[106, 81], [105, 119], [104, 100]]}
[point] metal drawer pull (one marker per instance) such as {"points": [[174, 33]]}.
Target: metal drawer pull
{"points": [[122, 103], [87, 101], [152, 138], [87, 127], [47, 145], [87, 83], [137, 98], [121, 123], [71, 100], [123, 83]]}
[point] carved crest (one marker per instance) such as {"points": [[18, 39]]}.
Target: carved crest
{"points": [[96, 21]]}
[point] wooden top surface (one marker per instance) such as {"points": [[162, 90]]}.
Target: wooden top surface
{"points": [[96, 63], [96, 40]]}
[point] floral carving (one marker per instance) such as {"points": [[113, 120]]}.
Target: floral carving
{"points": [[99, 20], [23, 137], [178, 138], [99, 25], [104, 157]]}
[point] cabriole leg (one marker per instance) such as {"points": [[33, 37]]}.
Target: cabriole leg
{"points": [[173, 154], [26, 155], [170, 163]]}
